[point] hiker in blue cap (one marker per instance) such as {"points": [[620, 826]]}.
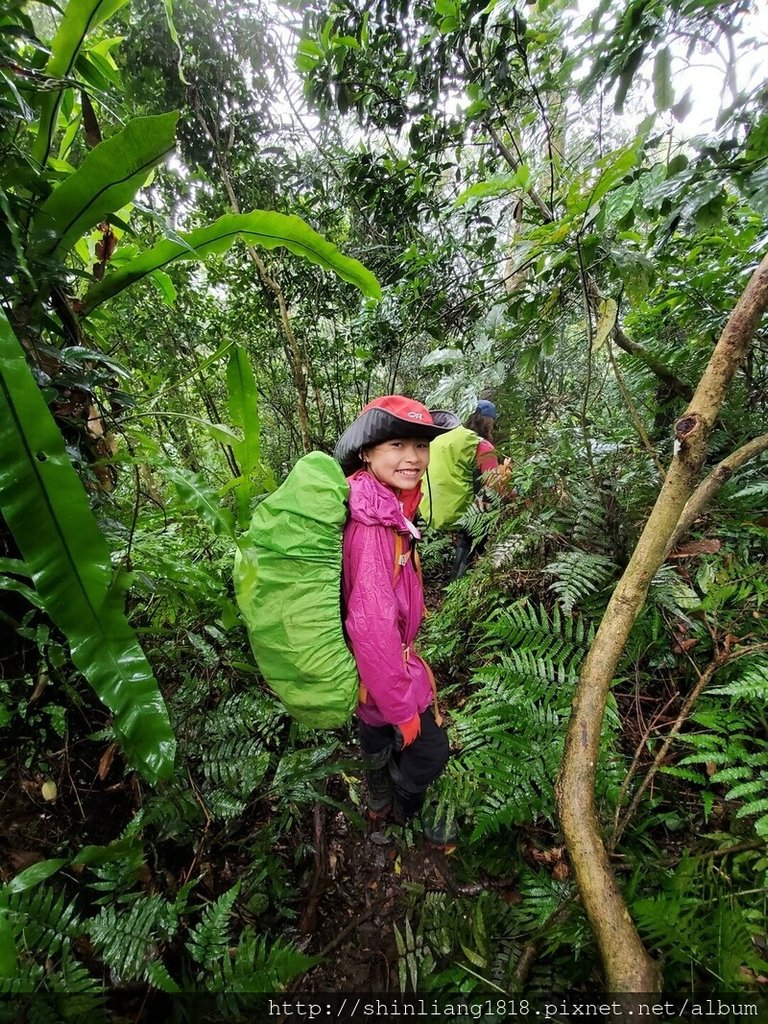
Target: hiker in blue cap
{"points": [[486, 409], [465, 464]]}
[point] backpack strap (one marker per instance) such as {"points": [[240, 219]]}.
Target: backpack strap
{"points": [[402, 554]]}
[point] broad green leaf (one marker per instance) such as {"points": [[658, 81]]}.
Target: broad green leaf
{"points": [[80, 17], [12, 229], [757, 140], [34, 875], [244, 413], [14, 565], [164, 285], [606, 321], [495, 186], [631, 64], [95, 856], [612, 168], [107, 179], [442, 357], [663, 94], [259, 227], [47, 511], [219, 431], [195, 492], [8, 583]]}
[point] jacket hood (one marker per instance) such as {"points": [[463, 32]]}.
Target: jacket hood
{"points": [[372, 503]]}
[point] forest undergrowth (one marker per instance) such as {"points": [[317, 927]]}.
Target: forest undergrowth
{"points": [[252, 868]]}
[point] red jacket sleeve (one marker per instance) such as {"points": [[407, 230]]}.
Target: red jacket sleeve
{"points": [[372, 620]]}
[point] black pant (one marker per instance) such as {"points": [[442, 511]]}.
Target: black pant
{"points": [[461, 555], [415, 766]]}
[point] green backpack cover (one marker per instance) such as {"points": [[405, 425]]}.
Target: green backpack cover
{"points": [[451, 478], [288, 585]]}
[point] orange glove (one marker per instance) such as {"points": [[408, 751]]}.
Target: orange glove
{"points": [[409, 730]]}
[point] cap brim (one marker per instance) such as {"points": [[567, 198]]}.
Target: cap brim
{"points": [[373, 427]]}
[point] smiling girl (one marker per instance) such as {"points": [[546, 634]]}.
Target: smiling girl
{"points": [[385, 454]]}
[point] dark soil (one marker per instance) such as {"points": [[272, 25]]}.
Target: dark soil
{"points": [[366, 878]]}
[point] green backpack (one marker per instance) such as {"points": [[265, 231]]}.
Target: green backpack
{"points": [[288, 586], [451, 478]]}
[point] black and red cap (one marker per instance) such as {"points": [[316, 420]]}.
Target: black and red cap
{"points": [[384, 419]]}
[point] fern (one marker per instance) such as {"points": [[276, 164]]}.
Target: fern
{"points": [[579, 575], [251, 713], [233, 768], [299, 770], [44, 923], [668, 590], [260, 966], [510, 549], [588, 519], [45, 919], [172, 812], [130, 940], [738, 754], [512, 728], [532, 628], [477, 522], [209, 941], [473, 943], [696, 919], [748, 680]]}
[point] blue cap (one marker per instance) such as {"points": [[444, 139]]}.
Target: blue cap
{"points": [[486, 408]]}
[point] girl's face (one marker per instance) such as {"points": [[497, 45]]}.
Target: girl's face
{"points": [[400, 463]]}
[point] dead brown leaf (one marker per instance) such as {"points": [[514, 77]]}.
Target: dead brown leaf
{"points": [[105, 761], [696, 547]]}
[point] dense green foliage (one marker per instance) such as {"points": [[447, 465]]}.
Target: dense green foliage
{"points": [[514, 201]]}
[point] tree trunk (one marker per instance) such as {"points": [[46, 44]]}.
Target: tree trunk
{"points": [[711, 484], [628, 967]]}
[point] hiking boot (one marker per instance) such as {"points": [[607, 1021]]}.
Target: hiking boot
{"points": [[439, 832], [378, 802], [406, 805]]}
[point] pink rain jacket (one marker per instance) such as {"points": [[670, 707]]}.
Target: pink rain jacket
{"points": [[382, 619]]}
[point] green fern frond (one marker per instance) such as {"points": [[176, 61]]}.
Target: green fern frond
{"points": [[740, 757], [685, 773], [748, 680], [579, 575], [300, 769], [28, 977], [172, 811], [233, 767], [73, 978], [479, 523], [511, 730], [128, 940], [668, 590], [44, 919], [158, 976], [696, 920], [254, 712], [209, 941], [260, 966]]}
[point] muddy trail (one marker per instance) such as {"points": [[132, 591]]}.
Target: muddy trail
{"points": [[357, 897]]}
